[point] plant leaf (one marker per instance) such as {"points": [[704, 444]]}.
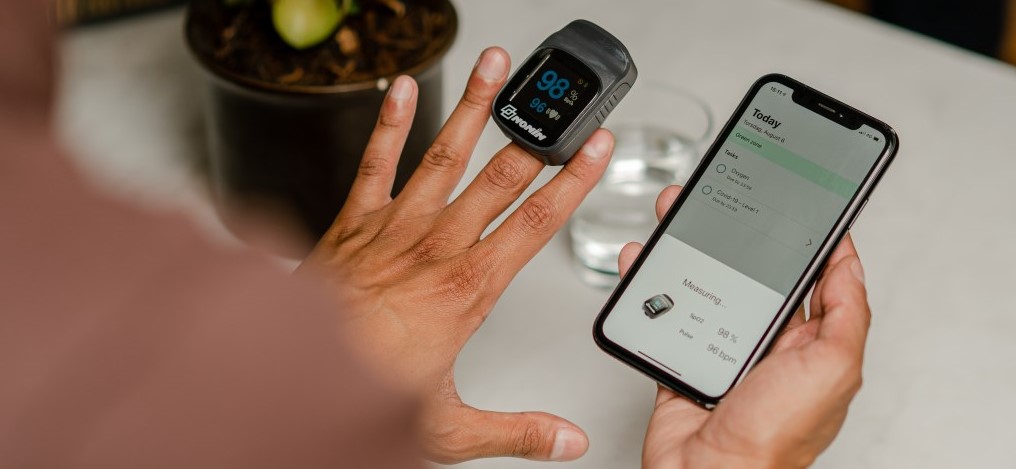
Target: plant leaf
{"points": [[351, 7], [306, 23]]}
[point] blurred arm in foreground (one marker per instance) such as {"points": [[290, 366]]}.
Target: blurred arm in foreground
{"points": [[125, 341]]}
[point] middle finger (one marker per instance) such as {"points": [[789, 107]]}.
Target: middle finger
{"points": [[532, 225], [445, 162], [495, 189]]}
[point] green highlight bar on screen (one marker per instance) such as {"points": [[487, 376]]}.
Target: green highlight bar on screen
{"points": [[797, 164]]}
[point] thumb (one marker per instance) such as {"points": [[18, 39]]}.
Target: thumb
{"points": [[531, 435], [627, 257]]}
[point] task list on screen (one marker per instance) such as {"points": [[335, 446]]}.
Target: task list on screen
{"points": [[744, 236]]}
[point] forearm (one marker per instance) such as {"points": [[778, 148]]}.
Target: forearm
{"points": [[129, 341], [135, 344]]}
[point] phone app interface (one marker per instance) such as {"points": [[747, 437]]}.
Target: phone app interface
{"points": [[714, 283]]}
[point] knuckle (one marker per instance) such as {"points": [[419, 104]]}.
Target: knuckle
{"points": [[447, 443], [852, 372], [474, 99], [850, 379], [390, 121], [537, 214], [443, 157], [347, 231], [427, 250], [579, 169], [858, 383], [504, 173], [372, 166], [527, 439], [466, 278]]}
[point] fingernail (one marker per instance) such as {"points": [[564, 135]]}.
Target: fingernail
{"points": [[492, 65], [597, 147], [568, 445], [857, 270], [402, 89]]}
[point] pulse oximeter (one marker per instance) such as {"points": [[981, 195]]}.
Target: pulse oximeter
{"points": [[564, 91]]}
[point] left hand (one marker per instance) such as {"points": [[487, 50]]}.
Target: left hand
{"points": [[791, 406], [415, 278]]}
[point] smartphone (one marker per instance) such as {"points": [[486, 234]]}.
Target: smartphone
{"points": [[742, 245]]}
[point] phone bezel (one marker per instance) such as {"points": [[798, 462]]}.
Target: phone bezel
{"points": [[848, 116]]}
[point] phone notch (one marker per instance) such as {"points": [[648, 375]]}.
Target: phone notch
{"points": [[828, 108]]}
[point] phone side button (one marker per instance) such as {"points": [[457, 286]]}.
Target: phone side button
{"points": [[863, 204]]}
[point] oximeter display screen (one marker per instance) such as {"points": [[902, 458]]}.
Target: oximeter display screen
{"points": [[549, 97]]}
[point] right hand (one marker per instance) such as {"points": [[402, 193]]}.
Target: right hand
{"points": [[791, 406]]}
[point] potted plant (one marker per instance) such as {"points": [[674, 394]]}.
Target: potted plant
{"points": [[294, 91]]}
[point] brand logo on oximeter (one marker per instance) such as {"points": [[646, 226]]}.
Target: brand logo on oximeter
{"points": [[511, 113]]}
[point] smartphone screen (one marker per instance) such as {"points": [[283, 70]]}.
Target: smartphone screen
{"points": [[761, 210]]}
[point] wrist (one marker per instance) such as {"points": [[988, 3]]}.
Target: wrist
{"points": [[701, 454], [700, 460]]}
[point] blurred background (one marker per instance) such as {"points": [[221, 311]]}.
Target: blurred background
{"points": [[156, 63], [983, 26], [137, 111]]}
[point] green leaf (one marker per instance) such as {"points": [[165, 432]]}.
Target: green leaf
{"points": [[306, 23], [352, 7]]}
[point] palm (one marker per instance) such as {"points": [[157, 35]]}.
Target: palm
{"points": [[751, 410]]}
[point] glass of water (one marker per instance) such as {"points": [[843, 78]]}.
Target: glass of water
{"points": [[659, 130]]}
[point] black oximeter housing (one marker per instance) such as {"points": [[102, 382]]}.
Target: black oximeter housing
{"points": [[564, 91]]}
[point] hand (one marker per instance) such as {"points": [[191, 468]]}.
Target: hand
{"points": [[415, 279], [789, 408]]}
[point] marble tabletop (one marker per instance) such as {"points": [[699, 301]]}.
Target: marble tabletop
{"points": [[936, 238]]}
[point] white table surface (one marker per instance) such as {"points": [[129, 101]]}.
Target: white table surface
{"points": [[936, 237]]}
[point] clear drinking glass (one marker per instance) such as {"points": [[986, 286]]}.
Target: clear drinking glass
{"points": [[659, 130]]}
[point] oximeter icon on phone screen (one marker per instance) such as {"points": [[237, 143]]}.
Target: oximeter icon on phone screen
{"points": [[657, 305]]}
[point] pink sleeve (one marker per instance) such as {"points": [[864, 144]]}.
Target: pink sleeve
{"points": [[128, 342]]}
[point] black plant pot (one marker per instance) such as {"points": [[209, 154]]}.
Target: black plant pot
{"points": [[292, 152]]}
